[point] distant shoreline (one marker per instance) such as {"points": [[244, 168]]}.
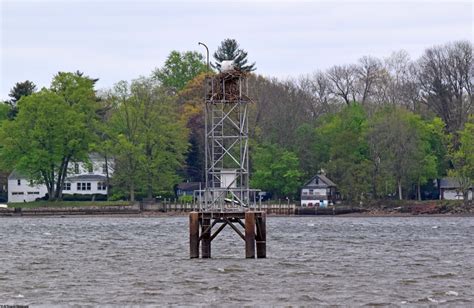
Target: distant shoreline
{"points": [[157, 214]]}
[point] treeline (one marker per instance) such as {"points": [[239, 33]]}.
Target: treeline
{"points": [[379, 128]]}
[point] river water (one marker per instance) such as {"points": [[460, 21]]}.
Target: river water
{"points": [[311, 261]]}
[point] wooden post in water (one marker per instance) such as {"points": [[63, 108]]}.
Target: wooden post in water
{"points": [[206, 236], [250, 234], [194, 235], [261, 237]]}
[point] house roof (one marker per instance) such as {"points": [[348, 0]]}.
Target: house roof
{"points": [[322, 182], [15, 175], [189, 186], [86, 177], [449, 183]]}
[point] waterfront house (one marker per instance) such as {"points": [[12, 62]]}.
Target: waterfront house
{"points": [[318, 191], [187, 188], [83, 179], [449, 189]]}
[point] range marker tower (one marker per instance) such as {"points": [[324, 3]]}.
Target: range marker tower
{"points": [[226, 144], [227, 198]]}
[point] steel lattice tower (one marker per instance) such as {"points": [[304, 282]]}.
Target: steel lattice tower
{"points": [[226, 143]]}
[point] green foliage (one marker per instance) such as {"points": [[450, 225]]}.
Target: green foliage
{"points": [[186, 199], [179, 69], [276, 170], [50, 130], [4, 110], [229, 50], [46, 133], [341, 146], [462, 158], [405, 146], [149, 140]]}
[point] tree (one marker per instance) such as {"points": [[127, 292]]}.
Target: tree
{"points": [[398, 85], [341, 148], [342, 82], [150, 140], [400, 143], [179, 69], [53, 127], [318, 87], [46, 134], [4, 111], [445, 74], [462, 158], [368, 75], [275, 170], [229, 50], [21, 89]]}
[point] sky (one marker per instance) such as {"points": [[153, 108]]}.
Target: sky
{"points": [[117, 40]]}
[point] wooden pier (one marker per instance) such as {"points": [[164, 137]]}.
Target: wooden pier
{"points": [[250, 226]]}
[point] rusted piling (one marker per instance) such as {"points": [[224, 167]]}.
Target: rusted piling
{"points": [[250, 235], [261, 236], [206, 236], [194, 234]]}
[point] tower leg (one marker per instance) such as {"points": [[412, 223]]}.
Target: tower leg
{"points": [[261, 237], [250, 234], [194, 235]]}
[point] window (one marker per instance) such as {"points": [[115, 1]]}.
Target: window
{"points": [[33, 193], [17, 193], [84, 186], [90, 168], [305, 193], [101, 186], [67, 186], [76, 168], [311, 191], [18, 182]]}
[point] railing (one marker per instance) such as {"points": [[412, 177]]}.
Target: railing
{"points": [[167, 206]]}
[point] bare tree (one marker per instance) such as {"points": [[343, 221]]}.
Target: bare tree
{"points": [[318, 87], [368, 74], [445, 74], [398, 84], [342, 80]]}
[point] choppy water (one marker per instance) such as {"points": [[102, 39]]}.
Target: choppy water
{"points": [[311, 261]]}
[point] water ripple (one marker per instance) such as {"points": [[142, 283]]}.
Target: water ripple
{"points": [[311, 261]]}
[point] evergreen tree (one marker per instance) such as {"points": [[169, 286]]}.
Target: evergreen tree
{"points": [[20, 89], [229, 50]]}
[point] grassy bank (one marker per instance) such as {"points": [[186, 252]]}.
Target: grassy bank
{"points": [[64, 204]]}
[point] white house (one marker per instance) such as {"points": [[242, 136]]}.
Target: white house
{"points": [[83, 178], [318, 191], [449, 189], [20, 189]]}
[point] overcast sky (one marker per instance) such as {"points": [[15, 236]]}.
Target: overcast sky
{"points": [[121, 40]]}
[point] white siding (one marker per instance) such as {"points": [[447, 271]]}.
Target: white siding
{"points": [[97, 165], [24, 192], [93, 185], [452, 194], [316, 192]]}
